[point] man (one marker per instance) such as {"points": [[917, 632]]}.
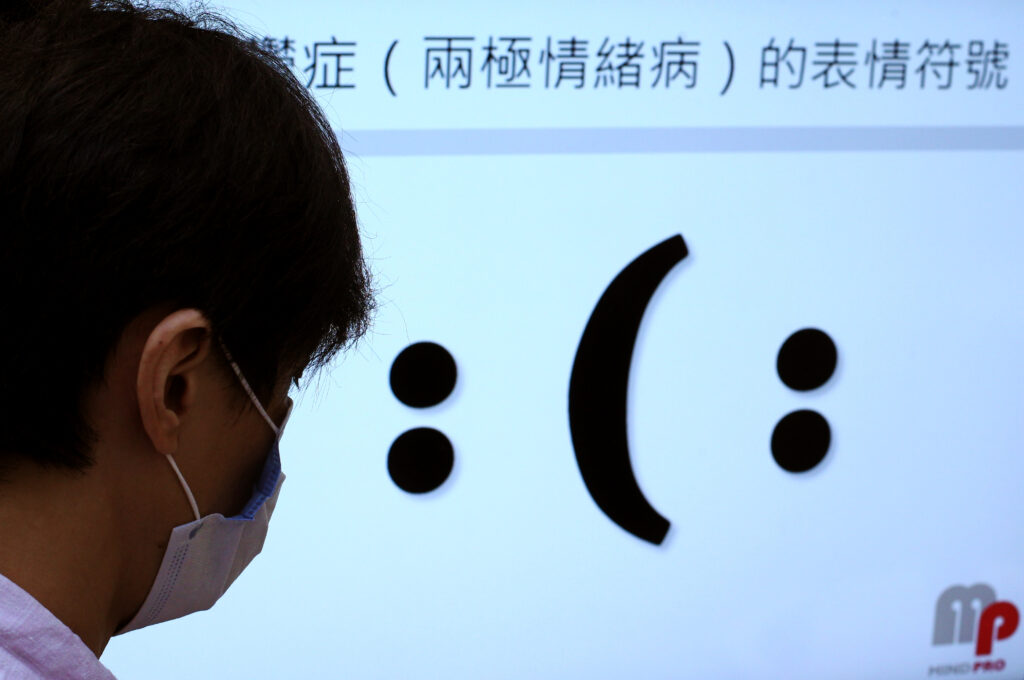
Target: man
{"points": [[179, 246]]}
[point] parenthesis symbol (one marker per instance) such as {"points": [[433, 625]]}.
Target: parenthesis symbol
{"points": [[598, 386], [387, 67], [732, 66]]}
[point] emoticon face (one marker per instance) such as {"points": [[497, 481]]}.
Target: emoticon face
{"points": [[598, 394], [424, 375]]}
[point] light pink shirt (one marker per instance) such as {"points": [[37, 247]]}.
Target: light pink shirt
{"points": [[35, 645]]}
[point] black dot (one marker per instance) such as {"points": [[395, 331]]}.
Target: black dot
{"points": [[423, 374], [420, 460], [800, 440], [807, 359]]}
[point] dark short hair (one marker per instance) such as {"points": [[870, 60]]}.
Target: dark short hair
{"points": [[151, 156]]}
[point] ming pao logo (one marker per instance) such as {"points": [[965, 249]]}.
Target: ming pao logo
{"points": [[973, 615]]}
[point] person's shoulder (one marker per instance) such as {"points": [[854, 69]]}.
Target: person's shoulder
{"points": [[36, 645]]}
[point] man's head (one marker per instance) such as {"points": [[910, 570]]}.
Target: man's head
{"points": [[169, 194], [154, 161]]}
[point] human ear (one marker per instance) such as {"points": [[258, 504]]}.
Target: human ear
{"points": [[167, 376]]}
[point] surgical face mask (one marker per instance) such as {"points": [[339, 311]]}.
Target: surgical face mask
{"points": [[206, 555]]}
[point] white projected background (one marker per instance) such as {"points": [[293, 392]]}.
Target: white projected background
{"points": [[906, 253]]}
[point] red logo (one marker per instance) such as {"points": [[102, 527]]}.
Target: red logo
{"points": [[955, 618], [973, 616], [1007, 616]]}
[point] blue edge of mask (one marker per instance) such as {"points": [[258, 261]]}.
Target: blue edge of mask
{"points": [[264, 488]]}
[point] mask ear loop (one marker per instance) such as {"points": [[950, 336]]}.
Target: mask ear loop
{"points": [[252, 395], [184, 485], [256, 402]]}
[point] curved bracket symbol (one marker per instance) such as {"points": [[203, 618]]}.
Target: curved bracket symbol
{"points": [[732, 67], [387, 69], [598, 392]]}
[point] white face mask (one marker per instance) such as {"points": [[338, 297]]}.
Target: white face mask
{"points": [[205, 556]]}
